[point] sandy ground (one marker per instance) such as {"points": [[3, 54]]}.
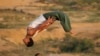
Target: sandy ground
{"points": [[16, 35], [11, 37], [12, 3]]}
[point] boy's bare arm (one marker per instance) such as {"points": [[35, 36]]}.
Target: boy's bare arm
{"points": [[45, 24], [32, 32]]}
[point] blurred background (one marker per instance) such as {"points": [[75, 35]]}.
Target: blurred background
{"points": [[15, 15]]}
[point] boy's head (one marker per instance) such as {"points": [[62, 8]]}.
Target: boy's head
{"points": [[31, 43]]}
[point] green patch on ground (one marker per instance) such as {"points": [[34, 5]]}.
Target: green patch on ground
{"points": [[13, 18]]}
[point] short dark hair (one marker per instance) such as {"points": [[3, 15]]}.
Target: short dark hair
{"points": [[31, 43], [37, 54]]}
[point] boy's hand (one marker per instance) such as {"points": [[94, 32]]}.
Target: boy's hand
{"points": [[51, 19]]}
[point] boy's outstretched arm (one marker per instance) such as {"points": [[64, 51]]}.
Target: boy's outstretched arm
{"points": [[33, 31], [46, 24]]}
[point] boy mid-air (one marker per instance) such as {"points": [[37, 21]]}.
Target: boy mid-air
{"points": [[42, 22]]}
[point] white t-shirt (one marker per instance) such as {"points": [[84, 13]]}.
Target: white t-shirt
{"points": [[37, 21]]}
